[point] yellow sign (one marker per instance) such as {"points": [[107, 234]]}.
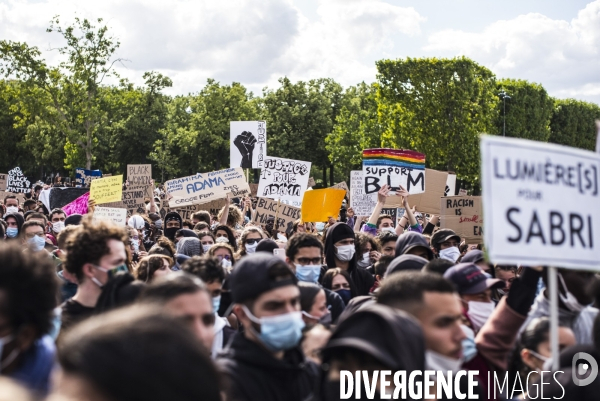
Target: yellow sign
{"points": [[320, 204], [105, 190]]}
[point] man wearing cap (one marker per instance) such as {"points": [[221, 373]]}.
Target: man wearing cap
{"points": [[475, 291], [264, 362], [444, 244]]}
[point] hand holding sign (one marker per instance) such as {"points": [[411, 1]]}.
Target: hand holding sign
{"points": [[245, 143]]}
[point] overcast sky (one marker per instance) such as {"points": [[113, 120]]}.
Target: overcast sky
{"points": [[553, 42]]}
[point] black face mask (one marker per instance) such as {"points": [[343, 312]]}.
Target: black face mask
{"points": [[170, 233]]}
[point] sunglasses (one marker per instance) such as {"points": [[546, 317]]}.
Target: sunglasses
{"points": [[251, 241]]}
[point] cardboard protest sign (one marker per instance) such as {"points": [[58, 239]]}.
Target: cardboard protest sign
{"points": [[84, 177], [540, 203], [248, 144], [20, 197], [450, 184], [3, 181], [60, 197], [362, 203], [139, 174], [462, 192], [394, 167], [17, 182], [286, 215], [463, 214], [109, 189], [428, 201], [202, 188], [320, 204], [284, 179], [118, 216], [342, 185], [392, 212], [134, 196], [186, 212]]}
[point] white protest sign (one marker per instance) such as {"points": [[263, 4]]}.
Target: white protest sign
{"points": [[450, 185], [203, 188], [119, 216], [394, 167], [362, 203], [248, 143], [284, 179], [540, 203], [3, 181], [17, 182]]}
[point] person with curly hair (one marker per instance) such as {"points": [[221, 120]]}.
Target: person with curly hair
{"points": [[95, 253], [152, 267], [29, 292]]}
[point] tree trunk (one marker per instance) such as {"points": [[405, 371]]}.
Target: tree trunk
{"points": [[331, 175], [324, 177]]}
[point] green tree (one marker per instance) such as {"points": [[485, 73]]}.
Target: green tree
{"points": [[528, 111], [73, 87], [437, 107], [572, 123], [299, 117], [357, 127]]}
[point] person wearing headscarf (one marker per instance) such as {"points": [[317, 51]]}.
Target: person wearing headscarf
{"points": [[189, 246], [375, 337], [340, 252], [173, 222]]}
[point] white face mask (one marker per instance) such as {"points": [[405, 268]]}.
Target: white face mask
{"points": [[222, 240], [479, 312], [438, 362], [388, 229], [58, 226], [569, 300], [226, 264], [206, 247], [452, 254], [251, 248], [345, 252], [365, 261], [12, 209]]}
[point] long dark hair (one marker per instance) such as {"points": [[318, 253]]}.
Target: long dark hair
{"points": [[536, 332], [331, 273], [230, 235]]}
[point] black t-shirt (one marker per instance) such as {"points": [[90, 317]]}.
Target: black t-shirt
{"points": [[72, 313]]}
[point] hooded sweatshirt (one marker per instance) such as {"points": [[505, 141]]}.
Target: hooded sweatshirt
{"points": [[20, 221], [189, 246], [410, 240], [363, 280], [170, 232]]}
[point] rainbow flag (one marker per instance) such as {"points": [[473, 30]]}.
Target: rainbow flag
{"points": [[394, 158]]}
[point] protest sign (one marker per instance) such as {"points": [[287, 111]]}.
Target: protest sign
{"points": [[362, 203], [186, 212], [119, 216], [78, 206], [540, 203], [463, 214], [134, 196], [202, 188], [394, 167], [3, 181], [248, 144], [139, 174], [284, 179], [20, 197], [342, 185], [286, 215], [109, 189], [320, 204], [462, 192], [84, 177], [17, 182], [392, 212], [428, 201], [450, 185]]}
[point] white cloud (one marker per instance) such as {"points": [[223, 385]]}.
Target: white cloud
{"points": [[252, 42], [562, 55]]}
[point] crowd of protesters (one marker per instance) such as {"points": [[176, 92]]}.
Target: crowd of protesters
{"points": [[205, 309]]}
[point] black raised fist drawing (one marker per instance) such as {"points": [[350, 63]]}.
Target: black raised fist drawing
{"points": [[245, 143]]}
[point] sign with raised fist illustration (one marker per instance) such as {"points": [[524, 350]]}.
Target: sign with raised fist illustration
{"points": [[248, 146]]}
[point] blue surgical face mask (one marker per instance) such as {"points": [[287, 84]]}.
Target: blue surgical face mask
{"points": [[11, 232], [36, 243], [345, 294], [216, 303], [309, 273], [280, 332], [468, 344]]}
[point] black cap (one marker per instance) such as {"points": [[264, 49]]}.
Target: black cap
{"points": [[406, 262], [73, 220], [252, 276], [470, 279], [443, 235], [473, 256], [266, 245]]}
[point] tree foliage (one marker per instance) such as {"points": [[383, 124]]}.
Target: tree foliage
{"points": [[572, 123]]}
